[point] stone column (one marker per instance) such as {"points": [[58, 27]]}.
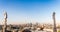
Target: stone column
{"points": [[54, 26]]}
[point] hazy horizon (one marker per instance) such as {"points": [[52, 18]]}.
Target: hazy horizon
{"points": [[30, 11]]}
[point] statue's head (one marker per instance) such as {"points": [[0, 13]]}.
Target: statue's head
{"points": [[53, 13]]}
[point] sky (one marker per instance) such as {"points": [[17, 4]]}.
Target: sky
{"points": [[29, 11]]}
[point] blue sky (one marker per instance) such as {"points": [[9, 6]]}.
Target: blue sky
{"points": [[30, 11]]}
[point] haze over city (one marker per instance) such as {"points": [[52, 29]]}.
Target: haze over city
{"points": [[30, 11]]}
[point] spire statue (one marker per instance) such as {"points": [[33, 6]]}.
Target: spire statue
{"points": [[5, 21], [54, 26]]}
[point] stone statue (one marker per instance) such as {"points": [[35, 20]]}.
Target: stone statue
{"points": [[54, 28], [5, 21], [5, 15]]}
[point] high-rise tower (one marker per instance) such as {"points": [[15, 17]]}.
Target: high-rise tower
{"points": [[54, 27], [5, 21]]}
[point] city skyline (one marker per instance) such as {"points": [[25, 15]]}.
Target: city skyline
{"points": [[30, 11]]}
